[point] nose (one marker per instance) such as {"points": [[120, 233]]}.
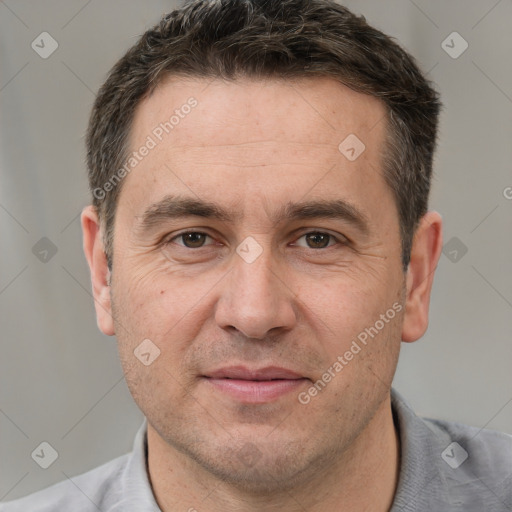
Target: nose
{"points": [[255, 298]]}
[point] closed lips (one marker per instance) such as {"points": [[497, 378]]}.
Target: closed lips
{"points": [[243, 373]]}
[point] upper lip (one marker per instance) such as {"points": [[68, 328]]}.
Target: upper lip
{"points": [[244, 373]]}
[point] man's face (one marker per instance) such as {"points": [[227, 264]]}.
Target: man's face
{"points": [[261, 289]]}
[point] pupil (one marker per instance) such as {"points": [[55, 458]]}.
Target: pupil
{"points": [[320, 236], [193, 238]]}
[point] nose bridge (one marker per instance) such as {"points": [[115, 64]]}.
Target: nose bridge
{"points": [[255, 271], [254, 299]]}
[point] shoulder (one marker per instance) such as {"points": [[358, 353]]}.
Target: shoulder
{"points": [[477, 466], [495, 442], [85, 492], [460, 444], [478, 452], [451, 466]]}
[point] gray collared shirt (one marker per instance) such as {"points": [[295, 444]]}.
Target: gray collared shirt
{"points": [[445, 467]]}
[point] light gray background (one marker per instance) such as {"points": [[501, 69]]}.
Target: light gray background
{"points": [[60, 377]]}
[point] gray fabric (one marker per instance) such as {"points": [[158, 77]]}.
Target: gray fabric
{"points": [[482, 483], [428, 482], [121, 485]]}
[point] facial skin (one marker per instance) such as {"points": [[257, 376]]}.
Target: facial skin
{"points": [[252, 146]]}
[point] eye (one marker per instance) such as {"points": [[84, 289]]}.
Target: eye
{"points": [[314, 240], [319, 240], [191, 239]]}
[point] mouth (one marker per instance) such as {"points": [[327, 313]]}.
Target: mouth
{"points": [[255, 386]]}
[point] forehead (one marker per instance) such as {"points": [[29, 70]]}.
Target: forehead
{"points": [[276, 138], [249, 106]]}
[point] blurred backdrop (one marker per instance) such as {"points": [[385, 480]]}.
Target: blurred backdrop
{"points": [[61, 381]]}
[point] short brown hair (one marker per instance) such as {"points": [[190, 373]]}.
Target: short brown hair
{"points": [[271, 38]]}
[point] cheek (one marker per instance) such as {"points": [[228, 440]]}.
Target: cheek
{"points": [[157, 306], [344, 301], [361, 319], [158, 389], [152, 296], [365, 362]]}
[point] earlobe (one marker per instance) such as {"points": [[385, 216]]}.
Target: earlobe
{"points": [[100, 274], [425, 253]]}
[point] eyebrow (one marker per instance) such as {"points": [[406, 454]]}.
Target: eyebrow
{"points": [[177, 207]]}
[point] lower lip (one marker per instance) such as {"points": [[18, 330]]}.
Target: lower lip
{"points": [[256, 391]]}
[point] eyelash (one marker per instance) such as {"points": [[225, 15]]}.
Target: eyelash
{"points": [[342, 242]]}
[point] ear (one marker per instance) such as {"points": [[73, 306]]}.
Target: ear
{"points": [[100, 274], [426, 250]]}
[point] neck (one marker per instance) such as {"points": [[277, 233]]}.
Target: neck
{"points": [[363, 478]]}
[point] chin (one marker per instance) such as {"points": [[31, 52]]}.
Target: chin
{"points": [[259, 468]]}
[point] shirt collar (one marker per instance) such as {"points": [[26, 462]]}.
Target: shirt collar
{"points": [[136, 492]]}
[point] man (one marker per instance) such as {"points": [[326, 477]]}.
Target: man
{"points": [[260, 244]]}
